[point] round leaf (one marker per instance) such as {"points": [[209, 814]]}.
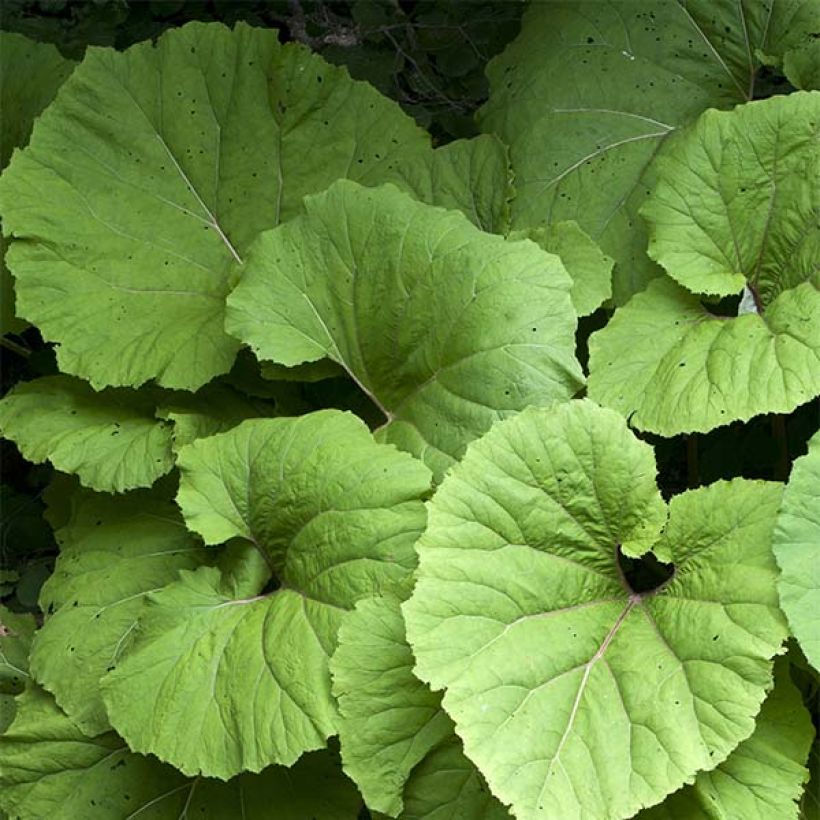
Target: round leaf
{"points": [[576, 695], [445, 327], [151, 172], [671, 366], [737, 199], [336, 517]]}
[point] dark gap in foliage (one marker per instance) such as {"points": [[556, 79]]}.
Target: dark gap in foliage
{"points": [[587, 325], [724, 308], [343, 394], [644, 574], [273, 583]]}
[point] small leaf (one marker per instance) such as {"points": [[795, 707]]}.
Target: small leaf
{"points": [[737, 199], [389, 720], [589, 268]]}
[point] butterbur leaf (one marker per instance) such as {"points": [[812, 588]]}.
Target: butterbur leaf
{"points": [[336, 516], [146, 179], [472, 176], [763, 777], [797, 550], [576, 694], [589, 93], [30, 74], [111, 440], [737, 199], [389, 720], [50, 769], [589, 268], [113, 552], [446, 328], [671, 366]]}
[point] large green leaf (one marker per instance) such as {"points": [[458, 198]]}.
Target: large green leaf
{"points": [[797, 549], [111, 440], [763, 777], [445, 327], [50, 769], [30, 74], [589, 92], [153, 169], [336, 516], [113, 552], [389, 720], [671, 366], [737, 200], [577, 695]]}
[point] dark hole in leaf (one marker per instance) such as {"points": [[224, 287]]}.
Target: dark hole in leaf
{"points": [[644, 574]]}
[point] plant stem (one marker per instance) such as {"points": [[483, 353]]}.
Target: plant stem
{"points": [[692, 470], [781, 466], [14, 347]]}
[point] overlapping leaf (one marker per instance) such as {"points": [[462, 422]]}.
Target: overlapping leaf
{"points": [[113, 552], [30, 74], [797, 549], [151, 172], [50, 769], [589, 268], [669, 365], [398, 745], [389, 720], [763, 777], [472, 176], [336, 516], [111, 440], [575, 695], [446, 328], [737, 200], [588, 93]]}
